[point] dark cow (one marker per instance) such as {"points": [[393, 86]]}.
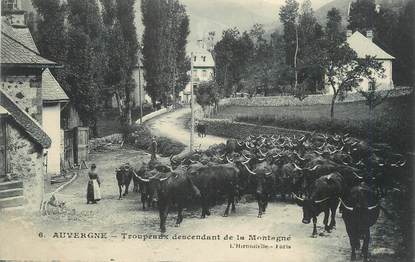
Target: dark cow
{"points": [[201, 129], [263, 183], [148, 194], [216, 180], [124, 175], [176, 189], [360, 212], [324, 197]]}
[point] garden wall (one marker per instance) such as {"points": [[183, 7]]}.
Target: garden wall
{"points": [[309, 100]]}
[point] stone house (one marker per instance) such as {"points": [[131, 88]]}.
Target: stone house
{"points": [[364, 46], [23, 140]]}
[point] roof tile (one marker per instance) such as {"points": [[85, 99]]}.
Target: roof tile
{"points": [[51, 90], [32, 128]]}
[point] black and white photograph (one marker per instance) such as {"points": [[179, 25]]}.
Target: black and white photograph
{"points": [[215, 130]]}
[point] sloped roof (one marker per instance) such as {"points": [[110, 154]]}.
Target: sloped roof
{"points": [[17, 51], [26, 38], [30, 125], [200, 54], [3, 111], [51, 90], [364, 46]]}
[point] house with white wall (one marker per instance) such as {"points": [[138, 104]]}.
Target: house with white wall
{"points": [[52, 94], [54, 99], [364, 46], [203, 69]]}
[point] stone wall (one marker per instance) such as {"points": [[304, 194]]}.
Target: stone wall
{"points": [[25, 162], [25, 90], [310, 100], [231, 129]]}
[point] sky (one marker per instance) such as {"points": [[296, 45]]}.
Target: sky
{"points": [[218, 15]]}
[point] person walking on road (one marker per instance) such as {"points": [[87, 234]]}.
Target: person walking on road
{"points": [[93, 192], [153, 148]]}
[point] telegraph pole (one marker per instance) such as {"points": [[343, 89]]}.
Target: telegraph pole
{"points": [[192, 104], [139, 87]]}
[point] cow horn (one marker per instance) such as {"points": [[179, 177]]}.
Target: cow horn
{"points": [[164, 179], [373, 207], [143, 179], [297, 167], [249, 170], [318, 152], [245, 156], [172, 160], [261, 152], [268, 174], [314, 168], [348, 208], [261, 159], [297, 197], [322, 200], [229, 161], [357, 176], [402, 164]]}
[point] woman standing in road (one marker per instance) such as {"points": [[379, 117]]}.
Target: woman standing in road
{"points": [[93, 192]]}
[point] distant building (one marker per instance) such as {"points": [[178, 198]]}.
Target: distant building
{"points": [[364, 46], [203, 69]]}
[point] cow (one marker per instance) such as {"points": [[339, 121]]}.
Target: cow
{"points": [[359, 214], [175, 189], [216, 180], [123, 175], [324, 198], [148, 194], [201, 129], [262, 182]]}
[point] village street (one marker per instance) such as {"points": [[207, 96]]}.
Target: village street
{"points": [[115, 217], [172, 126]]}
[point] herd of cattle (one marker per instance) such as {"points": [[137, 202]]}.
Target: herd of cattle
{"points": [[317, 171]]}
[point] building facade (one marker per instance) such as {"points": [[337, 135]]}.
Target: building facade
{"points": [[364, 46], [203, 70]]}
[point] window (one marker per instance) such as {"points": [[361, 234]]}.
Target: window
{"points": [[194, 74], [204, 58], [204, 73], [194, 58]]}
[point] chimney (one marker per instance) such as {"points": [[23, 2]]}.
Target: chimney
{"points": [[349, 33], [369, 35]]}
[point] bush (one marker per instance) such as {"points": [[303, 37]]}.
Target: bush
{"points": [[139, 136]]}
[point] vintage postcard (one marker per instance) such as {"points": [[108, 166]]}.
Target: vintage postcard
{"points": [[220, 130]]}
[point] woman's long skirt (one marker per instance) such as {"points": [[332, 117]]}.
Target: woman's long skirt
{"points": [[93, 191]]}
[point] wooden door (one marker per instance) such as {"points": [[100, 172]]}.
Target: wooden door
{"points": [[2, 146], [81, 144], [68, 148]]}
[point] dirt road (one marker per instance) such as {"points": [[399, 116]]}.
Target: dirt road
{"points": [[122, 224], [171, 125]]}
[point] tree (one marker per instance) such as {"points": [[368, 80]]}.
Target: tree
{"points": [[207, 93], [345, 71], [166, 28], [85, 58], [50, 35], [289, 18], [310, 34], [362, 15], [233, 54], [121, 53], [403, 46]]}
